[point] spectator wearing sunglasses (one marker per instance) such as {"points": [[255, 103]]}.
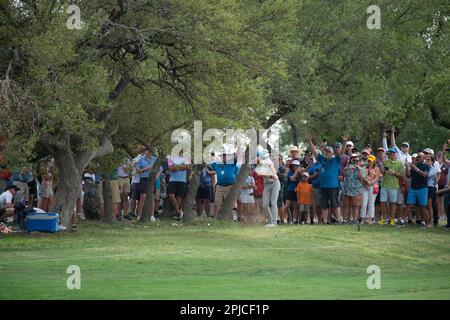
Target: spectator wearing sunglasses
{"points": [[433, 177], [418, 193], [392, 170], [354, 176]]}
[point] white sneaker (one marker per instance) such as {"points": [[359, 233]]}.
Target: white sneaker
{"points": [[235, 217], [272, 225], [62, 228], [268, 225], [152, 219]]}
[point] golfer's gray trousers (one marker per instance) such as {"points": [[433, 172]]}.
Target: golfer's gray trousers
{"points": [[270, 197]]}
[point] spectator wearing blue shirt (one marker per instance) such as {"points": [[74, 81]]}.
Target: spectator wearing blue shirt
{"points": [[291, 205], [314, 179], [226, 172], [177, 188], [157, 190], [204, 191], [143, 168], [328, 179]]}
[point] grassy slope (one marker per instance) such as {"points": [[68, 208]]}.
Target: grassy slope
{"points": [[227, 261]]}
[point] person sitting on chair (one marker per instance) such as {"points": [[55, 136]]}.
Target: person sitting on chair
{"points": [[7, 202]]}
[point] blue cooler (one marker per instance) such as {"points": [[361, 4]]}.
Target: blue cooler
{"points": [[48, 222]]}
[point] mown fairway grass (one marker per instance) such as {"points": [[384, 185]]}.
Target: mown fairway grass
{"points": [[226, 261]]}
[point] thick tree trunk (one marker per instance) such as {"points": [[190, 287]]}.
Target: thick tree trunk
{"points": [[294, 132], [71, 166], [150, 188], [228, 203], [168, 210], [91, 201], [107, 200], [68, 186], [150, 198], [194, 183]]}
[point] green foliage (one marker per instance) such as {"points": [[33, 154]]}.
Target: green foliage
{"points": [[231, 64], [347, 78]]}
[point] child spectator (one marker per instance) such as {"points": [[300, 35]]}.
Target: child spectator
{"points": [[246, 198], [304, 192]]}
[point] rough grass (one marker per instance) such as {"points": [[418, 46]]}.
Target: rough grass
{"points": [[225, 260]]}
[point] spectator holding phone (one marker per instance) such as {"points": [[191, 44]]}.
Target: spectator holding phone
{"points": [[329, 179], [404, 157], [354, 176], [418, 193], [370, 190], [392, 170]]}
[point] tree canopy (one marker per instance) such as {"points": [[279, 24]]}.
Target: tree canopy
{"points": [[137, 70]]}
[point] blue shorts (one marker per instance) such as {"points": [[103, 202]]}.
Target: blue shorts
{"points": [[418, 197]]}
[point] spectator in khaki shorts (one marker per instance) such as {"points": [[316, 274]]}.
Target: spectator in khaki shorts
{"points": [[124, 184], [354, 176], [226, 172], [113, 178]]}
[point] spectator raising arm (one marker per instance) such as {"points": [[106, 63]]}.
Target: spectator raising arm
{"points": [[444, 154], [345, 139], [311, 145], [385, 145], [393, 144]]}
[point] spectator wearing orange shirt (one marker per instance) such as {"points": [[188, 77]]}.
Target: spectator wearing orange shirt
{"points": [[304, 195]]}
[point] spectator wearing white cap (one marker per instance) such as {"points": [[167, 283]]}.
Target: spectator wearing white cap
{"points": [[418, 193], [346, 153], [291, 204], [404, 182]]}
